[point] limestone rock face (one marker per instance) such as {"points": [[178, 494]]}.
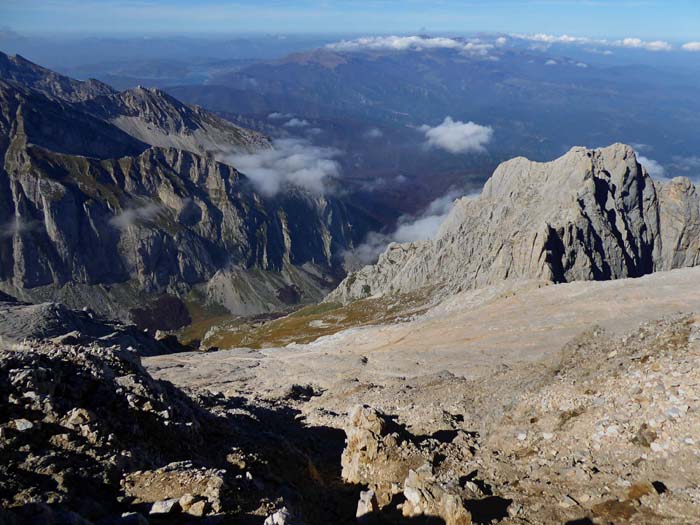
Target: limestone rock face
{"points": [[679, 205], [156, 118], [589, 215], [112, 200]]}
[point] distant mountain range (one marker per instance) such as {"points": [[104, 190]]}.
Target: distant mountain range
{"points": [[539, 103], [115, 201]]}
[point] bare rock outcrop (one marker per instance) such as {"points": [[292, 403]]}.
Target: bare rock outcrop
{"points": [[426, 474], [179, 481], [376, 454], [589, 215], [20, 322]]}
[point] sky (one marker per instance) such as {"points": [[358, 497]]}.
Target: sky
{"points": [[672, 20]]}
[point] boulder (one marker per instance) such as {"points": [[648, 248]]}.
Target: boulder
{"points": [[168, 506], [426, 496], [181, 481], [376, 454]]}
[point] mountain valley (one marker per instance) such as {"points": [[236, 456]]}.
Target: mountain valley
{"points": [[316, 279]]}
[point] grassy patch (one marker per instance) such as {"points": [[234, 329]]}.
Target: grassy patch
{"points": [[203, 318], [310, 323]]}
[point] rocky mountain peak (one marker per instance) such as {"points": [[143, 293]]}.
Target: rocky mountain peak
{"points": [[592, 214], [112, 200], [19, 70]]}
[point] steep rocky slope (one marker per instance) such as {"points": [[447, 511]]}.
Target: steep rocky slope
{"points": [[115, 200], [21, 71], [88, 436], [591, 214], [149, 115], [158, 119]]}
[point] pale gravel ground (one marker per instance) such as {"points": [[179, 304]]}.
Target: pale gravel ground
{"points": [[470, 335]]}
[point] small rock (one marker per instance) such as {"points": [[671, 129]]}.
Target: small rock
{"points": [[547, 436], [367, 505], [673, 412], [79, 416], [567, 502], [521, 436], [198, 508], [281, 517], [23, 425], [187, 501], [132, 518], [168, 506]]}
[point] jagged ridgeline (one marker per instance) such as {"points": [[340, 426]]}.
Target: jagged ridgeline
{"points": [[589, 215], [111, 200]]}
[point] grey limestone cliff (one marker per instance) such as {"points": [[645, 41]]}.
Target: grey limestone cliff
{"points": [[589, 215], [111, 200]]}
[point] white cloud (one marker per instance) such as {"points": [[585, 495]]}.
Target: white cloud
{"points": [[421, 227], [414, 43], [458, 137], [137, 214], [18, 226], [581, 65], [691, 46], [639, 147], [553, 39], [654, 169], [637, 43], [501, 41], [373, 133], [551, 62], [634, 43], [426, 225], [293, 162], [279, 116], [296, 123]]}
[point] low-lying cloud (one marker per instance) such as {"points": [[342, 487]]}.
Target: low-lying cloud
{"points": [[552, 39], [294, 162], [296, 123], [279, 116], [373, 133], [458, 137], [654, 169], [412, 43], [18, 225], [410, 228], [637, 43], [691, 46], [135, 215], [632, 43]]}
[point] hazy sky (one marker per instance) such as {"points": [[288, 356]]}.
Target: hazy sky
{"points": [[667, 19]]}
